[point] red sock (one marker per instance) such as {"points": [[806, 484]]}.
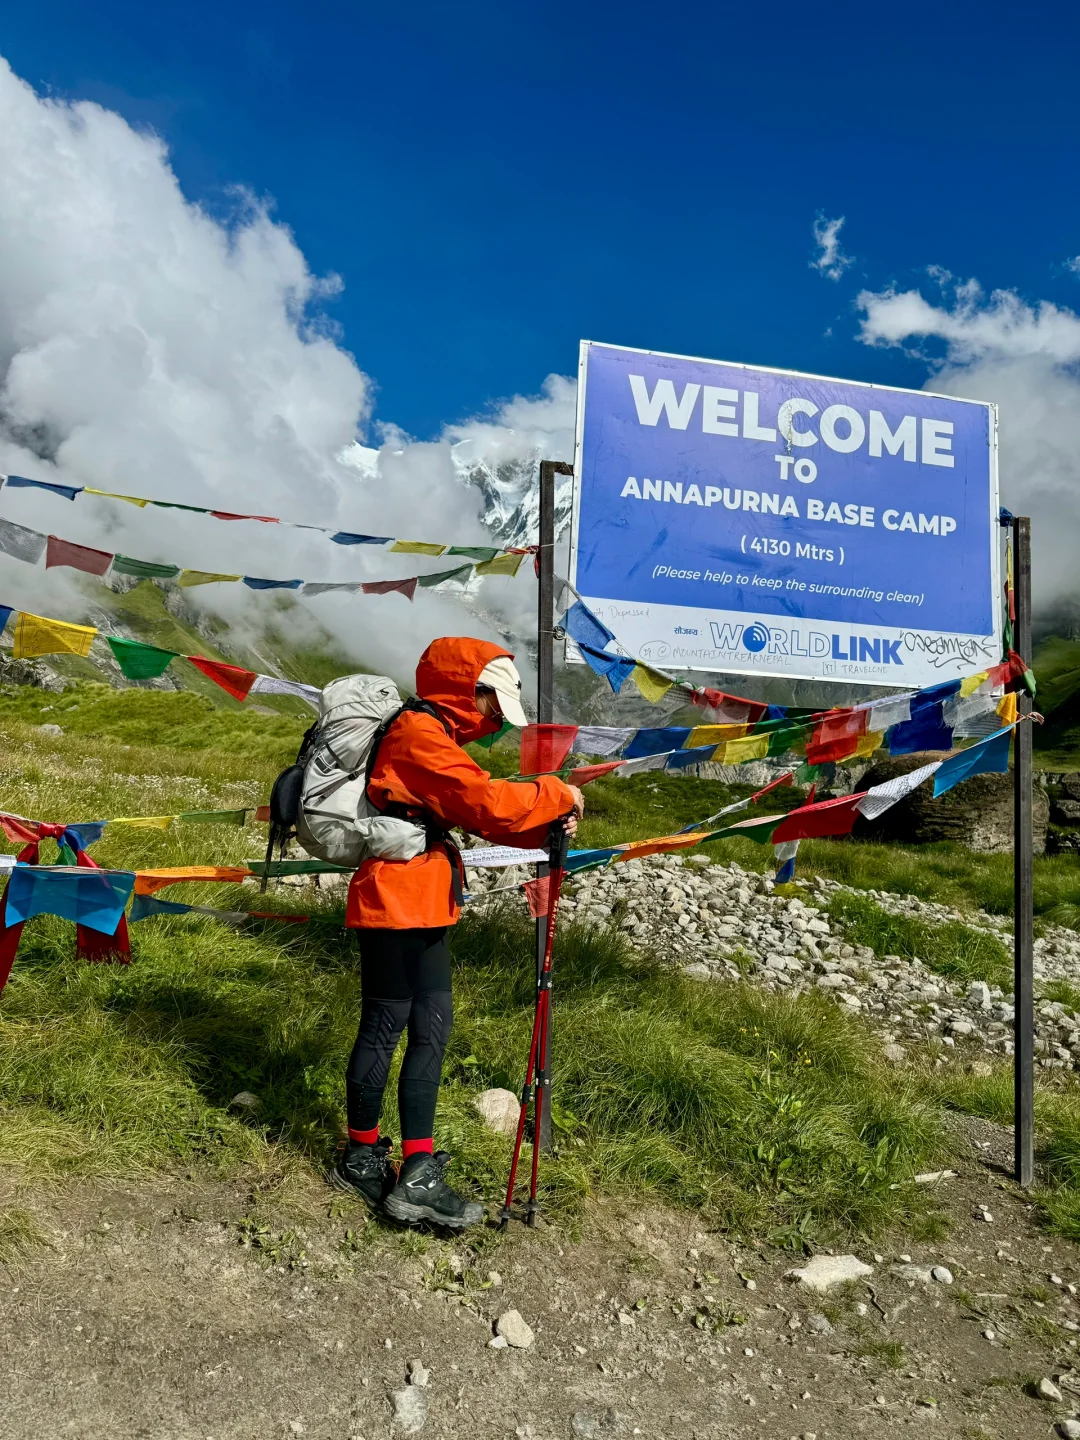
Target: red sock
{"points": [[364, 1137], [416, 1147]]}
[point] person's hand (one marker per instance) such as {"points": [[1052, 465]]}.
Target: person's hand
{"points": [[579, 800]]}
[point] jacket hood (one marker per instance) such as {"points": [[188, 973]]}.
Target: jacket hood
{"points": [[446, 676]]}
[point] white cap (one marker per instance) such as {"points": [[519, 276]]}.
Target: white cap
{"points": [[501, 676]]}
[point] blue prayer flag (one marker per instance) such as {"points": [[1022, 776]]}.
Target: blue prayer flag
{"points": [[20, 482], [254, 584], [786, 873], [344, 538], [143, 906], [581, 625], [5, 616], [990, 755], [775, 712], [615, 668], [680, 759], [95, 898], [586, 859], [82, 836], [924, 731], [656, 742]]}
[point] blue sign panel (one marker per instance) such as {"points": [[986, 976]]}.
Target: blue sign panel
{"points": [[736, 519]]}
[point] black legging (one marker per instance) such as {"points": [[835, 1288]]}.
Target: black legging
{"points": [[405, 980]]}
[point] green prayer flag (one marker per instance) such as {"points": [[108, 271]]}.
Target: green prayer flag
{"points": [[757, 830], [427, 581], [143, 569], [278, 868], [786, 738], [213, 817], [171, 505], [489, 740], [138, 661], [474, 552]]}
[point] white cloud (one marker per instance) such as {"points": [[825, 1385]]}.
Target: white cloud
{"points": [[147, 347], [830, 260], [1026, 357]]}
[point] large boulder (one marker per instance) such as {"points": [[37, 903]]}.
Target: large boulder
{"points": [[977, 813]]}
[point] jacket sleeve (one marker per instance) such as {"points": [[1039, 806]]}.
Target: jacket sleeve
{"points": [[446, 781]]}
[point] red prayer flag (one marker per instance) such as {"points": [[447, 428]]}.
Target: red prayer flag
{"points": [[231, 678], [228, 515], [827, 817], [538, 894], [723, 709], [19, 831], [263, 813], [584, 773], [545, 747], [9, 940], [384, 587], [78, 557], [773, 784], [836, 736]]}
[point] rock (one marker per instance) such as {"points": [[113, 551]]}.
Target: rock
{"points": [[982, 1213], [1046, 1390], [498, 1342], [978, 993], [514, 1330], [931, 1177], [499, 1110], [825, 1271], [942, 1274], [410, 1408], [980, 1068], [818, 1322], [296, 1427], [584, 1426], [697, 971], [244, 1100], [921, 1273], [894, 1054], [977, 814], [50, 729], [1069, 1429], [418, 1374]]}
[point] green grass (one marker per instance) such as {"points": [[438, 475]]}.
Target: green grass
{"points": [[952, 949]]}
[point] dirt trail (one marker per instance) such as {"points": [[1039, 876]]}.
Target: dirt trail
{"points": [[161, 1310]]}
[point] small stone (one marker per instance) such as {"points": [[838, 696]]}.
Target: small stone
{"points": [[499, 1110], [748, 1352], [978, 993], [410, 1408], [1045, 1389], [982, 1213], [824, 1271], [1056, 1280], [818, 1322], [697, 971], [418, 1374], [584, 1426], [989, 1335], [750, 1284], [244, 1100], [514, 1330], [50, 729], [296, 1427], [894, 1054], [494, 1279], [862, 1310], [625, 1318], [942, 1274], [921, 1273], [1069, 1429], [498, 1342]]}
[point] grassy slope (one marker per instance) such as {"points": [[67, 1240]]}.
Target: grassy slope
{"points": [[772, 1113], [1057, 666]]}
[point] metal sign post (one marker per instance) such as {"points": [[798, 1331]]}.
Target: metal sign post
{"points": [[1023, 879], [545, 711]]}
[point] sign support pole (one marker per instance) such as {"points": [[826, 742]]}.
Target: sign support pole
{"points": [[1023, 880], [545, 712]]}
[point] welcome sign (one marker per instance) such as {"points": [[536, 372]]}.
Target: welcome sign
{"points": [[733, 518]]}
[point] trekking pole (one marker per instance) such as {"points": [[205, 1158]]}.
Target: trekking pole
{"points": [[534, 1083]]}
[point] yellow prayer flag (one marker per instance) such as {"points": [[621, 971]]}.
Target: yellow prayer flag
{"points": [[868, 743], [146, 822], [737, 752], [1006, 708], [415, 547], [501, 565], [36, 635], [112, 495], [202, 577], [653, 686], [971, 683], [714, 735]]}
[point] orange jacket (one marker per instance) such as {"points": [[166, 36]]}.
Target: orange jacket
{"points": [[420, 765]]}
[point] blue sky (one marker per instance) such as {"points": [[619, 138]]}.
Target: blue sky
{"points": [[493, 182]]}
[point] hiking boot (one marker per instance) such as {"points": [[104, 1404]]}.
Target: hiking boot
{"points": [[366, 1170], [421, 1193]]}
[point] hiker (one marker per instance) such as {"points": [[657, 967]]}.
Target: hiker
{"points": [[402, 910]]}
